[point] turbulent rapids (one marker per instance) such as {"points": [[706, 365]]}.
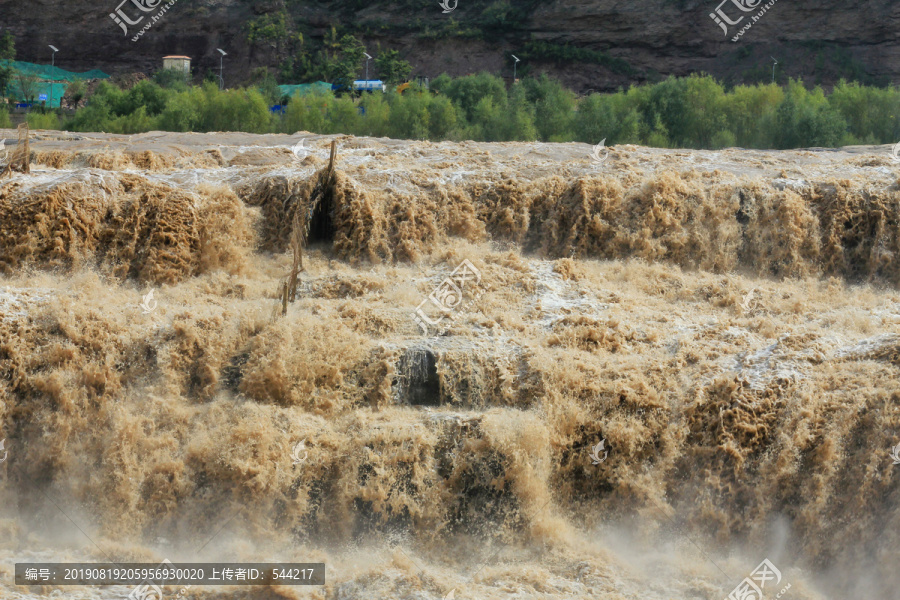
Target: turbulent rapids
{"points": [[506, 370]]}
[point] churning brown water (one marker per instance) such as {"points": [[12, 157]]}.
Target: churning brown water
{"points": [[727, 323]]}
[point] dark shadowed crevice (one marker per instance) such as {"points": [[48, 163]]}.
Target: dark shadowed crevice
{"points": [[321, 224], [419, 381]]}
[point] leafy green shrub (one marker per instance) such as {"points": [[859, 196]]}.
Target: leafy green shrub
{"points": [[174, 79], [269, 27], [7, 53], [443, 118], [344, 66], [182, 113], [691, 109], [440, 84], [704, 114], [409, 117], [136, 122], [376, 115], [466, 92], [607, 116], [657, 136], [750, 114], [488, 119], [93, 117], [691, 112], [233, 110], [8, 46], [266, 85], [806, 119], [499, 15], [723, 139], [308, 112], [146, 94], [872, 114], [554, 108], [391, 68], [42, 121], [76, 91], [565, 53], [4, 117], [519, 117], [343, 116]]}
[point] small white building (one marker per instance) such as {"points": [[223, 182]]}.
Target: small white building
{"points": [[181, 63]]}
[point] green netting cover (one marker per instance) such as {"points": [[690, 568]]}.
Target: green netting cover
{"points": [[43, 89], [305, 88], [42, 92], [48, 73]]}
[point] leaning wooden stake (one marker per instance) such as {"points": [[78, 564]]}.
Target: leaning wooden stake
{"points": [[300, 232], [297, 265]]}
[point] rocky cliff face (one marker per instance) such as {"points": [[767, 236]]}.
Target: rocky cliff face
{"points": [[818, 41]]}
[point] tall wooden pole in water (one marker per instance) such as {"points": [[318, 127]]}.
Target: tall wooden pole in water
{"points": [[300, 231]]}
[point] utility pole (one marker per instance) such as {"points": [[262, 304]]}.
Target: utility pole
{"points": [[53, 64], [515, 64], [221, 68]]}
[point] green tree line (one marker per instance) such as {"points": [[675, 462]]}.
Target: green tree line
{"points": [[687, 112]]}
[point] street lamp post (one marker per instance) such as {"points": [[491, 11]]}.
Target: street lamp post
{"points": [[773, 68], [515, 64], [368, 58], [221, 68], [52, 65]]}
